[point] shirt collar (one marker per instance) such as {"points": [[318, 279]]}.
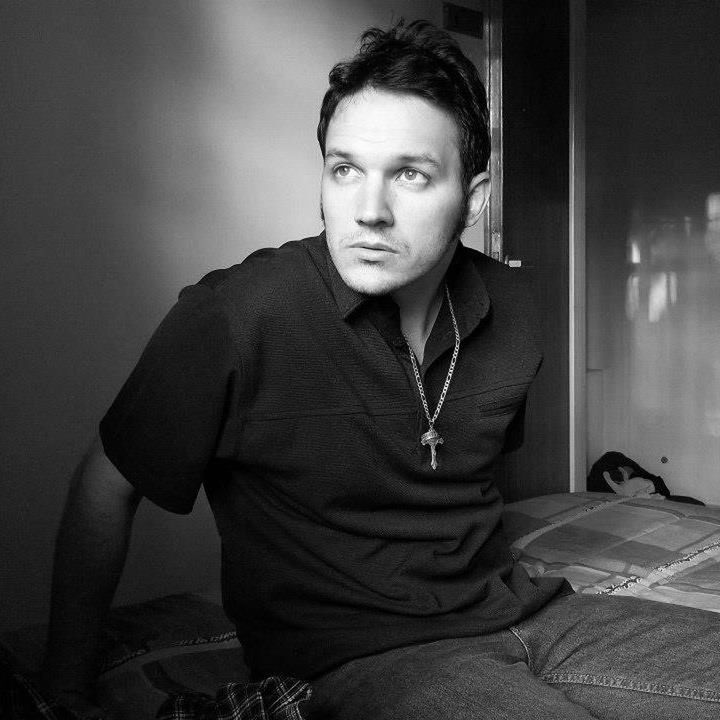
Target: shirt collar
{"points": [[347, 299], [468, 292]]}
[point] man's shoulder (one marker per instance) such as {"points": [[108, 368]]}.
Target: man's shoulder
{"points": [[264, 271], [269, 282], [268, 289]]}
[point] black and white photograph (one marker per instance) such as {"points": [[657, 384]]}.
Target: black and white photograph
{"points": [[361, 360]]}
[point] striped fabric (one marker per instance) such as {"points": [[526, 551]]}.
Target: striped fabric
{"points": [[604, 543]]}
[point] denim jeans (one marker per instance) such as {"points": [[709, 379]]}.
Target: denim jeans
{"points": [[582, 656]]}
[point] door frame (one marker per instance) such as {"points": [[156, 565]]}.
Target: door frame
{"points": [[576, 252], [493, 82], [577, 332], [494, 237]]}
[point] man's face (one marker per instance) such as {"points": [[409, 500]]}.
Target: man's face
{"points": [[392, 193]]}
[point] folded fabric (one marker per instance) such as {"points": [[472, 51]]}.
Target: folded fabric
{"points": [[274, 698], [615, 472]]}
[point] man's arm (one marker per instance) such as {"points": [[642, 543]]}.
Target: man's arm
{"points": [[90, 554]]}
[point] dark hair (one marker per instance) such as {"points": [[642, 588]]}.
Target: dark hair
{"points": [[422, 60]]}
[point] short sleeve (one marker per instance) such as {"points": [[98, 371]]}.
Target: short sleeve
{"points": [[162, 430]]}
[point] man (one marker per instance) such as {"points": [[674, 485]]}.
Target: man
{"points": [[342, 400]]}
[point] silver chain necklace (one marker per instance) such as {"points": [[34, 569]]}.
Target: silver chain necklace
{"points": [[432, 437]]}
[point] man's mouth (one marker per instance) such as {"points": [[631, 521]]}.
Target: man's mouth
{"points": [[373, 246]]}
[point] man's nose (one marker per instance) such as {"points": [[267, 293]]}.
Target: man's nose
{"points": [[373, 204]]}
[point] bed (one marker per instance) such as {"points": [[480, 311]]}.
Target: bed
{"points": [[602, 543]]}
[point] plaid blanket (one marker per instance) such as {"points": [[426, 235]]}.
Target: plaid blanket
{"points": [[274, 698], [21, 700]]}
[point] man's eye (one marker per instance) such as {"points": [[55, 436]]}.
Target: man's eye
{"points": [[415, 177], [343, 171]]}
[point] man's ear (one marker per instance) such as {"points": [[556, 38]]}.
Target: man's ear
{"points": [[478, 197]]}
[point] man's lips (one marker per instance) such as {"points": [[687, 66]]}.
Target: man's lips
{"points": [[373, 245]]}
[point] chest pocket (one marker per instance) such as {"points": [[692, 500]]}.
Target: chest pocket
{"points": [[484, 422]]}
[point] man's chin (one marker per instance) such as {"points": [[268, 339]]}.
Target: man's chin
{"points": [[370, 281]]}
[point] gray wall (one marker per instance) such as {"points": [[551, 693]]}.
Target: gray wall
{"points": [[143, 144]]}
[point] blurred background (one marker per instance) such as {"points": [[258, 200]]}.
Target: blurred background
{"points": [[653, 238]]}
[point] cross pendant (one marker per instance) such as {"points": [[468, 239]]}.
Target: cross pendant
{"points": [[432, 438]]}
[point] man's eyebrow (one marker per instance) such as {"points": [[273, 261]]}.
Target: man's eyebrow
{"points": [[404, 159], [339, 154], [421, 159]]}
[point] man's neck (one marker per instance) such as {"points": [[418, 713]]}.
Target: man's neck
{"points": [[419, 304]]}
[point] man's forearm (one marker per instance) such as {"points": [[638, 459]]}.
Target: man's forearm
{"points": [[89, 557]]}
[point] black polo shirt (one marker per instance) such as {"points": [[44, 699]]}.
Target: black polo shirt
{"points": [[292, 399]]}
